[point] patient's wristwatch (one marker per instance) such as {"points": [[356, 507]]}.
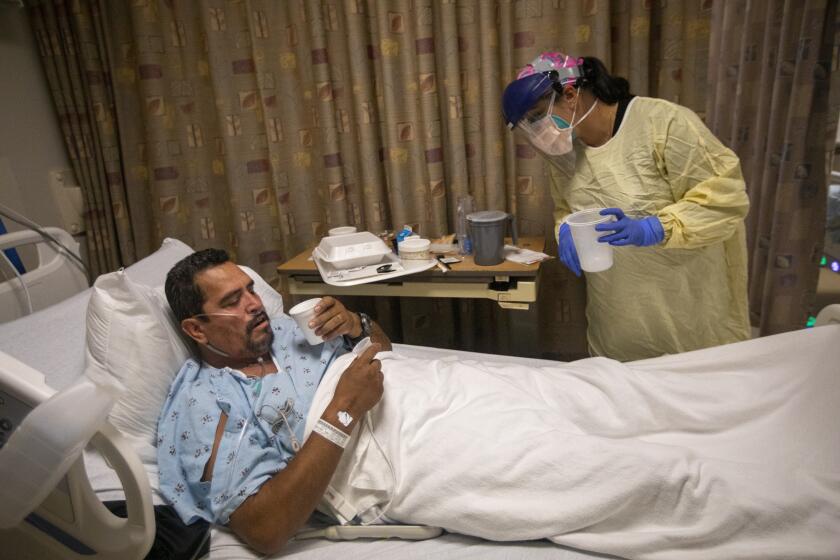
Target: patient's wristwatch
{"points": [[366, 323]]}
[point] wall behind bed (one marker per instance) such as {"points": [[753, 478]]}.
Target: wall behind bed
{"points": [[30, 138]]}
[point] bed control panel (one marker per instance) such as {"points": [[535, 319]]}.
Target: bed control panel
{"points": [[20, 388], [12, 412]]}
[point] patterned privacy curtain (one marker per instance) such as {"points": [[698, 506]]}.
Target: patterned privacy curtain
{"points": [[75, 60], [257, 125], [775, 101]]}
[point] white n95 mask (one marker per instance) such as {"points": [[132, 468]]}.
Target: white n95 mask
{"points": [[546, 136]]}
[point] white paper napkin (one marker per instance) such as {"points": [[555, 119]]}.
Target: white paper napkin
{"points": [[523, 256]]}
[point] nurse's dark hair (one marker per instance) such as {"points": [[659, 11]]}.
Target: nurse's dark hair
{"points": [[182, 293], [607, 88]]}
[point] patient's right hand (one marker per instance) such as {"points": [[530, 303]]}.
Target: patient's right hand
{"points": [[361, 384]]}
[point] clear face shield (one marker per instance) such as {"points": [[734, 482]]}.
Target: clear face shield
{"points": [[540, 127], [542, 132]]}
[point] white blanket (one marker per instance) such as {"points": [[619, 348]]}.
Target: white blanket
{"points": [[722, 453]]}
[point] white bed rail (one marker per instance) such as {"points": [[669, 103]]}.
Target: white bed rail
{"points": [[56, 277], [72, 523]]}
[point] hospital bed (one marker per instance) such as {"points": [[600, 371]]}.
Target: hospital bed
{"points": [[72, 523], [53, 277]]}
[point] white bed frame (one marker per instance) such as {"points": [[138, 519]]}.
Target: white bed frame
{"points": [[55, 277], [72, 522]]}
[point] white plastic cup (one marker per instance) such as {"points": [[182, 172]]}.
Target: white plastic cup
{"points": [[302, 313], [593, 256], [343, 230]]}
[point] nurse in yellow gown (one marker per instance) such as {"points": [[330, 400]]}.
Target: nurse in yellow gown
{"points": [[679, 275]]}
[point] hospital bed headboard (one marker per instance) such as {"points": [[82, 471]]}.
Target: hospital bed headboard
{"points": [[78, 525], [55, 277]]}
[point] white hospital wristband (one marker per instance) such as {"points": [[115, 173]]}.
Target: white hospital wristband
{"points": [[331, 433]]}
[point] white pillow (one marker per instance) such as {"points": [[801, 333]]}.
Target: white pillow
{"points": [[134, 341], [129, 344], [271, 298], [152, 270]]}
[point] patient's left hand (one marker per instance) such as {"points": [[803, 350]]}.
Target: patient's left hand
{"points": [[332, 319]]}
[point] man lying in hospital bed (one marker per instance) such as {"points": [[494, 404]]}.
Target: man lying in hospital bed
{"points": [[646, 460], [777, 404], [229, 433]]}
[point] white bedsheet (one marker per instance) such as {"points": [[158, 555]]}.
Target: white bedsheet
{"points": [[226, 546], [51, 340], [724, 453]]}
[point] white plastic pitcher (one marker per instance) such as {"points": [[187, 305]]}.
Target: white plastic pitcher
{"points": [[593, 256]]}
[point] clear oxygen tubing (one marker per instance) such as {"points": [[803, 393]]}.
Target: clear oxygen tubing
{"points": [[226, 486], [212, 348], [221, 314], [26, 222], [229, 480], [369, 422], [22, 282], [234, 464], [296, 447]]}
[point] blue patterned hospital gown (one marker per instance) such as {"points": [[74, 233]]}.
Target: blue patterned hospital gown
{"points": [[190, 415]]}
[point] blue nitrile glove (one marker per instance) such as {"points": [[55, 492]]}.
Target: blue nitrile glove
{"points": [[630, 231], [566, 249]]}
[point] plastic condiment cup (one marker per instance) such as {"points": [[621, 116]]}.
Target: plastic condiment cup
{"points": [[343, 230], [593, 256], [302, 313], [414, 248]]}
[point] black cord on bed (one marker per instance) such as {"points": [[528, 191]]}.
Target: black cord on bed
{"points": [[174, 540]]}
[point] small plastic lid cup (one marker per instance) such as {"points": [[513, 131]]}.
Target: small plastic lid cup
{"points": [[414, 248], [415, 244]]}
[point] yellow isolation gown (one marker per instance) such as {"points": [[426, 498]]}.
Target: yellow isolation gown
{"points": [[690, 291]]}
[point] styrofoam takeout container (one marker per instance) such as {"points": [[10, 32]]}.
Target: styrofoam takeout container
{"points": [[350, 250]]}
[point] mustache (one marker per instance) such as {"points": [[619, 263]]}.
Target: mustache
{"points": [[259, 318]]}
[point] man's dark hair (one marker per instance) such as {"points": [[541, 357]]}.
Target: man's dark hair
{"points": [[182, 293]]}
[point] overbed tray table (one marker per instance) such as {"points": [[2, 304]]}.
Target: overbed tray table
{"points": [[512, 285]]}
